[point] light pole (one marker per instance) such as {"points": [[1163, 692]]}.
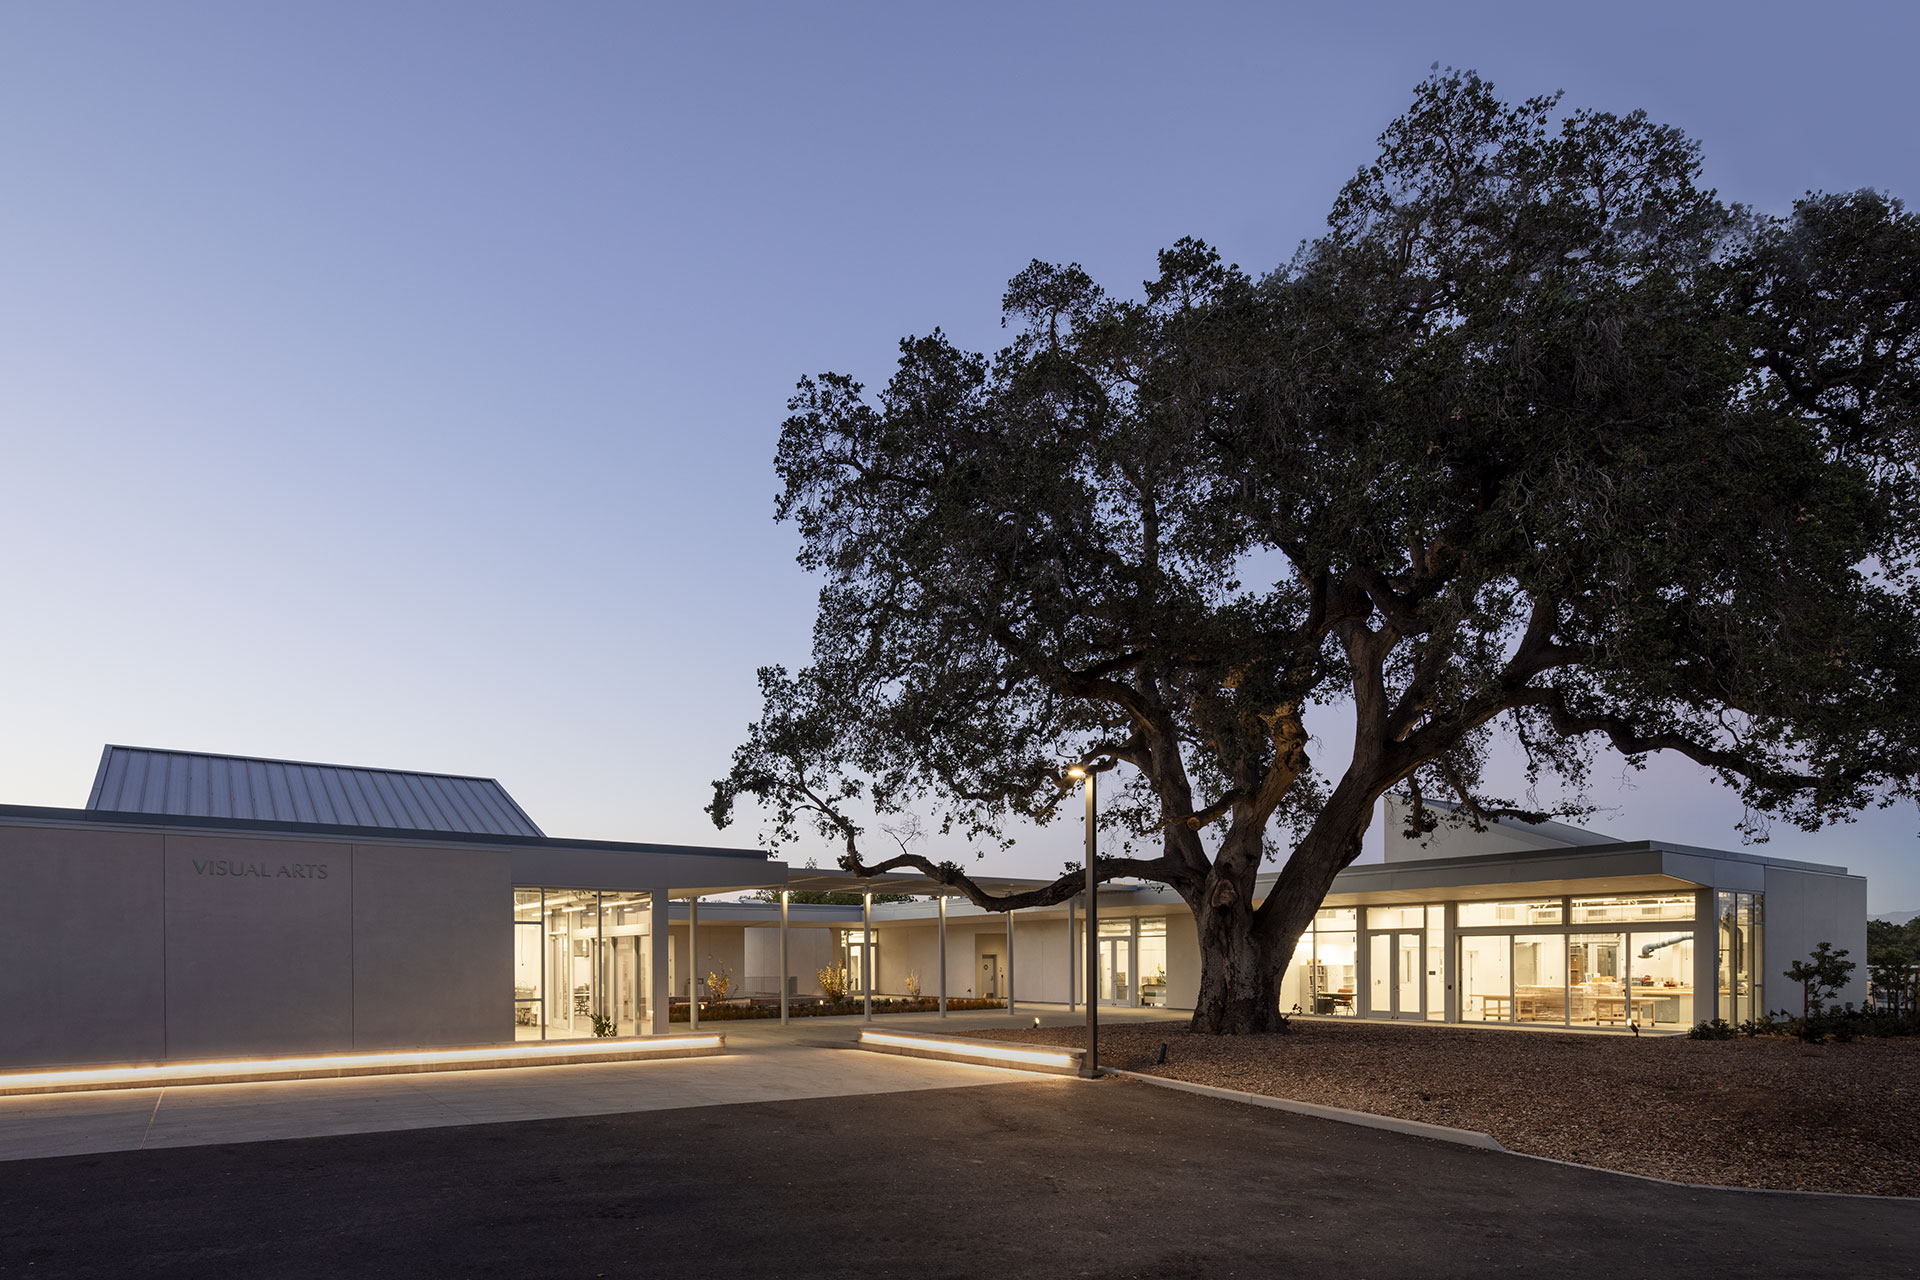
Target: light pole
{"points": [[1090, 1065]]}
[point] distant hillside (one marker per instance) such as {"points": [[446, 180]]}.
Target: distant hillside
{"points": [[1895, 917]]}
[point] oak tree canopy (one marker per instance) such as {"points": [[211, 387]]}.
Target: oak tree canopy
{"points": [[1539, 439]]}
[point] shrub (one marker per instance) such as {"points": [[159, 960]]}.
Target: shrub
{"points": [[605, 1025], [1820, 975], [834, 981], [719, 983], [827, 1009], [1717, 1029]]}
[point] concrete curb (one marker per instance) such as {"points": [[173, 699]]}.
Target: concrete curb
{"points": [[1463, 1137], [1365, 1119]]}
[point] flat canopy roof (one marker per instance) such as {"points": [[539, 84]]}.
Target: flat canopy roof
{"points": [[897, 882]]}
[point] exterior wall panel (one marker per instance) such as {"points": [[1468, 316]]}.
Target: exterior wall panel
{"points": [[259, 947], [82, 947], [1803, 909], [432, 952], [1183, 960]]}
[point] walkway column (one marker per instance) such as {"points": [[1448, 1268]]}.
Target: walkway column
{"points": [[943, 954], [866, 950], [660, 945], [785, 894], [1009, 964], [1072, 989], [693, 964]]}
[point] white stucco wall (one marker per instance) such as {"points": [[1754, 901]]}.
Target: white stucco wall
{"points": [[1803, 909], [808, 952]]}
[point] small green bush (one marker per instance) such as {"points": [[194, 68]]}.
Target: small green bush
{"points": [[1717, 1029]]}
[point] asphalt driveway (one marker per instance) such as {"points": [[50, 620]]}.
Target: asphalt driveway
{"points": [[1043, 1178]]}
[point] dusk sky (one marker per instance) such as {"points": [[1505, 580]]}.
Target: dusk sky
{"points": [[398, 384]]}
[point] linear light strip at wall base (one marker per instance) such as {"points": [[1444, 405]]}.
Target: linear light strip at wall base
{"points": [[985, 1053], [254, 1069]]}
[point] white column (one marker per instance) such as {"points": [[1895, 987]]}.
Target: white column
{"points": [[693, 963], [866, 951], [1009, 964], [943, 955], [1072, 989], [660, 944], [785, 894]]}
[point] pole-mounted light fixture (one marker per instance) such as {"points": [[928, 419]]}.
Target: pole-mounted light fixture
{"points": [[1090, 1065]]}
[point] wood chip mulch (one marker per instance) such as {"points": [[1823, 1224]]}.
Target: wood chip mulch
{"points": [[1769, 1112]]}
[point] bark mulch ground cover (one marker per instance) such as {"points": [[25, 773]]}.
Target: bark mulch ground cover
{"points": [[1768, 1112]]}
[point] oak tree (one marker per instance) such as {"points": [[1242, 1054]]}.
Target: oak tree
{"points": [[1540, 441]]}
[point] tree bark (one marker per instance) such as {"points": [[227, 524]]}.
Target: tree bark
{"points": [[1240, 972]]}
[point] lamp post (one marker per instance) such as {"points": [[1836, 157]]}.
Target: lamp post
{"points": [[1090, 1065]]}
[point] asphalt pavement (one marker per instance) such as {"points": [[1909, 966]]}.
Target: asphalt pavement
{"points": [[1053, 1177]]}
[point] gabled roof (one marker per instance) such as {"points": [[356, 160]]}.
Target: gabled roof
{"points": [[197, 784]]}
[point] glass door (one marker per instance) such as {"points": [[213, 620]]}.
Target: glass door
{"points": [[1398, 982], [1409, 954], [1116, 971]]}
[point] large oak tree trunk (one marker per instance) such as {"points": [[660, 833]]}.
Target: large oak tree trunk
{"points": [[1240, 972]]}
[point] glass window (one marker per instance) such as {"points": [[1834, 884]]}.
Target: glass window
{"points": [[1116, 928], [1479, 915], [1486, 979], [1297, 988], [1396, 917], [1333, 972], [1540, 978], [1596, 993], [1671, 906], [1737, 928], [1334, 918], [527, 971], [1660, 978], [1153, 964]]}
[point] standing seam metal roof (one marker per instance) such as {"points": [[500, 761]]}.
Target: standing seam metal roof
{"points": [[194, 784]]}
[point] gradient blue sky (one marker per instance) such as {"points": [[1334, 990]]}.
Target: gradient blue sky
{"points": [[398, 384]]}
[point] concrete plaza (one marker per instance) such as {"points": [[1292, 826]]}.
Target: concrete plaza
{"points": [[765, 1063]]}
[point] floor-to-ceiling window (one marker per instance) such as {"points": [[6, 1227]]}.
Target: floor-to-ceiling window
{"points": [[528, 966], [1738, 919], [1321, 977], [1581, 961], [1152, 962], [581, 963], [1486, 978]]}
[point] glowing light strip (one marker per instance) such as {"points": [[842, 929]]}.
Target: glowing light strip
{"points": [[1032, 1057], [505, 1054]]}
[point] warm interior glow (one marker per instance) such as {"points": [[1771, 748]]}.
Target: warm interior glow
{"points": [[1076, 771], [995, 1053], [168, 1072]]}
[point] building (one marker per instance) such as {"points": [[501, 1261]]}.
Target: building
{"points": [[205, 906]]}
